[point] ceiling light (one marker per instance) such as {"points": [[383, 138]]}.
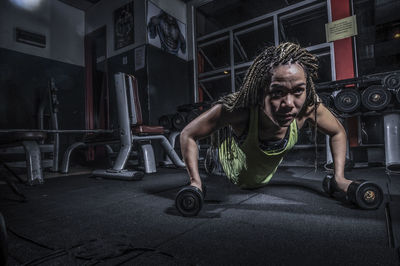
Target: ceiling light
{"points": [[27, 4]]}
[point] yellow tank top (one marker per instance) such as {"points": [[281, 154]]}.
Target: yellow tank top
{"points": [[249, 166]]}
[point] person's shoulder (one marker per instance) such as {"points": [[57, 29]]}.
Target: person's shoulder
{"points": [[240, 117], [235, 116], [308, 113]]}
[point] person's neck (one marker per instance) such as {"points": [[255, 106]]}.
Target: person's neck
{"points": [[266, 122]]}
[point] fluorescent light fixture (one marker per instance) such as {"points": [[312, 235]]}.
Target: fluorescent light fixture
{"points": [[29, 5]]}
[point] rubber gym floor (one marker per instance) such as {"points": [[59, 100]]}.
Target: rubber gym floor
{"points": [[81, 220]]}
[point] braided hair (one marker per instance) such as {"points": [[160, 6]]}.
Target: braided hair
{"points": [[258, 76], [258, 79]]}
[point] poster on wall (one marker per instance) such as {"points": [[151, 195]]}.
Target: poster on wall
{"points": [[165, 31], [124, 34]]}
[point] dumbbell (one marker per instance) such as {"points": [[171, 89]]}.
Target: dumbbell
{"points": [[347, 100], [365, 194], [189, 200], [3, 241]]}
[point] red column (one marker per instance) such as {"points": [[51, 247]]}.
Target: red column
{"points": [[344, 61]]}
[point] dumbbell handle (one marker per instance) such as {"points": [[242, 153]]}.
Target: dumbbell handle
{"points": [[352, 189]]}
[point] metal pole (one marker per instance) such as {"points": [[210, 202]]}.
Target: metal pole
{"points": [[232, 63], [195, 66]]}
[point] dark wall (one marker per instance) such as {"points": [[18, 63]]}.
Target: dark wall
{"points": [[170, 82], [24, 78]]}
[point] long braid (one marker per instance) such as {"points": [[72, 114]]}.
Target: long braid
{"points": [[258, 78]]}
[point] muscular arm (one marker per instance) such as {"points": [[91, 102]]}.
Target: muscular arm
{"points": [[328, 124], [201, 127]]}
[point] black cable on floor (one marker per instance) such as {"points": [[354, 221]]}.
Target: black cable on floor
{"points": [[29, 240], [62, 252], [45, 258], [144, 250]]}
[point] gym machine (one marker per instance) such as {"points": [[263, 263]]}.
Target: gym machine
{"points": [[131, 130], [32, 142]]}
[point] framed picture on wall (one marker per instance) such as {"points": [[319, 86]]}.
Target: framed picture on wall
{"points": [[124, 33], [165, 31]]}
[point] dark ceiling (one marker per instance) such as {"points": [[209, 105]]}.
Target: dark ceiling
{"points": [[81, 4], [227, 13], [86, 4]]}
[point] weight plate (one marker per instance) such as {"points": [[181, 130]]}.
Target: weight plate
{"points": [[326, 98], [179, 121], [347, 100], [369, 196], [189, 201], [165, 122], [375, 98], [392, 81]]}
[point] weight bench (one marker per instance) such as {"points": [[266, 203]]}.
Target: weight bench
{"points": [[29, 140], [132, 130], [91, 140]]}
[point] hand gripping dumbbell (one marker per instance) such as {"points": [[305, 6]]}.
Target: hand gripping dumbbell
{"points": [[189, 200], [3, 241], [365, 194]]}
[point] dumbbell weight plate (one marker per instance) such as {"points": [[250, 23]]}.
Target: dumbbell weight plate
{"points": [[189, 201], [179, 121], [3, 241], [375, 98], [369, 196], [347, 100], [165, 121], [392, 81], [326, 98]]}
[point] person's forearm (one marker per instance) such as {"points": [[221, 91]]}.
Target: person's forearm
{"points": [[338, 149], [189, 151]]}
